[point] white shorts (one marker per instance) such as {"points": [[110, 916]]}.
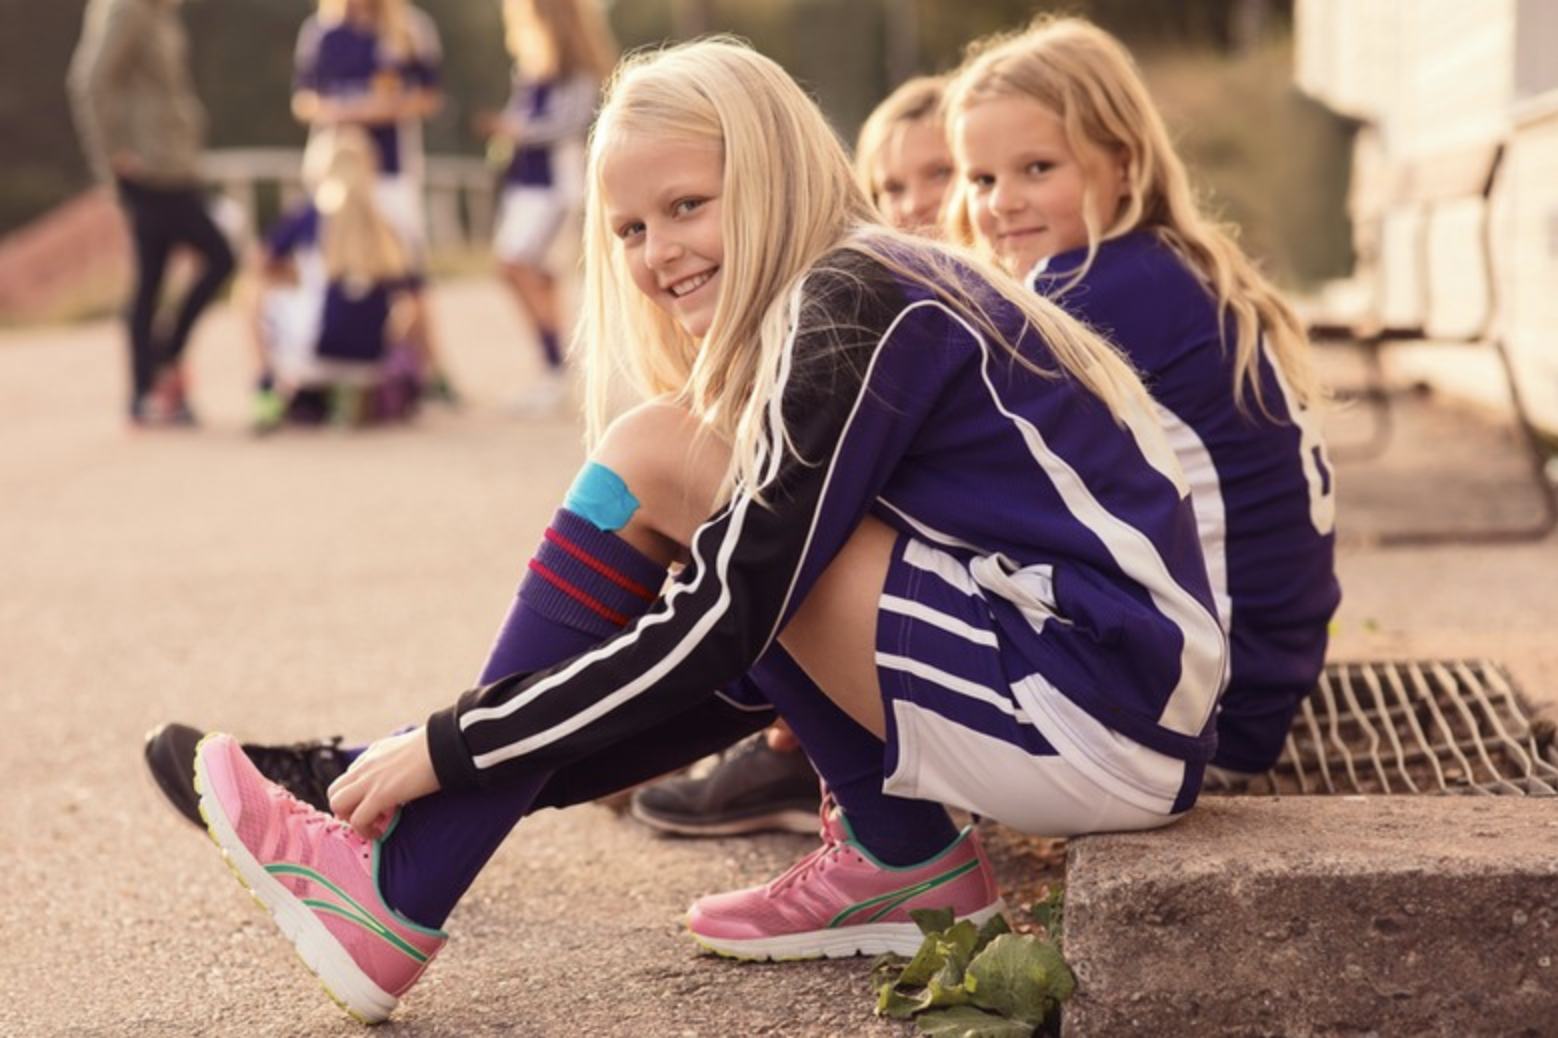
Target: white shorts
{"points": [[970, 725], [290, 318], [530, 222], [400, 200]]}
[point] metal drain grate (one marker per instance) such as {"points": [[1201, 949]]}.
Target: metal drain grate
{"points": [[1422, 726]]}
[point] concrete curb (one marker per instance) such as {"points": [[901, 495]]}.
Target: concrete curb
{"points": [[1319, 916]]}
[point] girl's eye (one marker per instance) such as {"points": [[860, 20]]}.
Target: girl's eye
{"points": [[629, 231], [687, 205], [1040, 167], [981, 181], [893, 188], [941, 173]]}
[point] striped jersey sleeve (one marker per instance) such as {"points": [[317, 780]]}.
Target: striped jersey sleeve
{"points": [[891, 403]]}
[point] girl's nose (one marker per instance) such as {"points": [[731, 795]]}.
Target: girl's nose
{"points": [[1005, 199], [926, 204], [662, 250]]}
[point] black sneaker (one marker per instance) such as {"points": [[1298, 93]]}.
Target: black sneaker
{"points": [[304, 769], [751, 789]]}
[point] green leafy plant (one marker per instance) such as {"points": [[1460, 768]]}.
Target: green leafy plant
{"points": [[968, 982]]}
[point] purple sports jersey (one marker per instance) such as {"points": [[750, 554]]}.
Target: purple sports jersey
{"points": [[896, 406], [343, 61], [552, 111], [1261, 480], [352, 324]]}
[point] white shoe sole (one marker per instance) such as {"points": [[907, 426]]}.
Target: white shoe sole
{"points": [[865, 939]]}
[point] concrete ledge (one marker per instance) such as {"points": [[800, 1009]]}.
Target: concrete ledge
{"points": [[1309, 916]]}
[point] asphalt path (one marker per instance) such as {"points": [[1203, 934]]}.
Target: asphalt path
{"points": [[325, 581]]}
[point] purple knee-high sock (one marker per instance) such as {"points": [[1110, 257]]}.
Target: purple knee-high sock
{"points": [[896, 830], [583, 585]]}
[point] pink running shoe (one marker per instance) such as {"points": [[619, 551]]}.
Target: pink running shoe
{"points": [[319, 880], [839, 901]]}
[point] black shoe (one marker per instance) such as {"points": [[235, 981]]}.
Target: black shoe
{"points": [[753, 788], [304, 769]]}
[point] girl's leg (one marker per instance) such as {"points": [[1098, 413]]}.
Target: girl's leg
{"points": [[649, 485], [850, 758], [198, 231], [152, 246], [536, 291]]}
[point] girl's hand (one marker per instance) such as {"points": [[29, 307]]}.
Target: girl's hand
{"points": [[391, 772]]}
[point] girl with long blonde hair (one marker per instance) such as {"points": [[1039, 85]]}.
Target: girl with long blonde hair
{"points": [[1067, 175], [332, 280], [377, 64], [917, 511]]}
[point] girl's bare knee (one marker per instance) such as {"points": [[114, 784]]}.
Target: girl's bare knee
{"points": [[674, 468]]}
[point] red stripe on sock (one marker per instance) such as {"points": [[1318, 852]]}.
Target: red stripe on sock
{"points": [[585, 599], [616, 577]]}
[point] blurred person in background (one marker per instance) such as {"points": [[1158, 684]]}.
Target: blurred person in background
{"points": [[563, 51], [377, 64], [143, 129]]}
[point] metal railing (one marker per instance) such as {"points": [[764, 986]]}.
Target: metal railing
{"points": [[459, 190]]}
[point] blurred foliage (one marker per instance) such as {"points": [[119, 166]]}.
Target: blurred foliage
{"points": [[1274, 164]]}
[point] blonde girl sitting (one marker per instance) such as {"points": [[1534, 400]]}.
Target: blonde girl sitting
{"points": [[919, 512], [332, 279]]}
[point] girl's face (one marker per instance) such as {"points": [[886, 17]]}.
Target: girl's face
{"points": [[1024, 184], [661, 199], [362, 12], [912, 173]]}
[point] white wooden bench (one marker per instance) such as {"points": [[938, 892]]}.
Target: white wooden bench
{"points": [[1427, 262]]}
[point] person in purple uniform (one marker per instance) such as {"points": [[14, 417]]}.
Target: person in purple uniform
{"points": [[377, 64], [822, 399], [563, 51], [332, 276], [1067, 175]]}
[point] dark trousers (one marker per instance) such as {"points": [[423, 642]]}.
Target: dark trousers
{"points": [[161, 220]]}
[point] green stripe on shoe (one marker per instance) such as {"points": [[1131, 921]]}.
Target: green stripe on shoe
{"points": [[351, 910], [885, 904]]}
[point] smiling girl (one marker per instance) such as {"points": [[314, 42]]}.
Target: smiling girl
{"points": [[918, 511], [1066, 176]]}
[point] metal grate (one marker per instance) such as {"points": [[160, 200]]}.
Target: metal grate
{"points": [[1420, 726]]}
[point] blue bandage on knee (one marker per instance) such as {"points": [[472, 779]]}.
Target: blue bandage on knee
{"points": [[600, 496]]}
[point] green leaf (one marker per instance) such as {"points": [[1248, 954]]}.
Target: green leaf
{"points": [[968, 1022], [932, 920], [1020, 977], [994, 927], [900, 1005]]}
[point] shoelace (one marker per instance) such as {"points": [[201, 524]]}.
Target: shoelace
{"points": [[298, 767], [313, 818], [817, 859]]}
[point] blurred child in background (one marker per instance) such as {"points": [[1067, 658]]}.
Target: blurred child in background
{"points": [[333, 281], [377, 64], [563, 51]]}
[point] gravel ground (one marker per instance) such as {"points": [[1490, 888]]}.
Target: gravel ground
{"points": [[319, 582]]}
